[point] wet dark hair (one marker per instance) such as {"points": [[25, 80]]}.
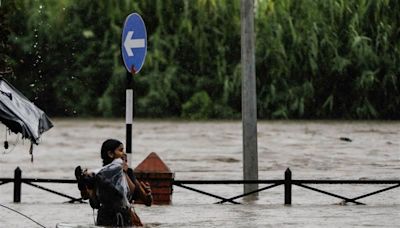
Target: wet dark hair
{"points": [[108, 145]]}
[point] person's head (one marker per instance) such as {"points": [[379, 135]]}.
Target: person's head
{"points": [[111, 149]]}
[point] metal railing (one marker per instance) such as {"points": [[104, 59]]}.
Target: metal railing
{"points": [[288, 183], [18, 180]]}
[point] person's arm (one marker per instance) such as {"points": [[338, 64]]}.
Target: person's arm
{"points": [[126, 170], [131, 185], [140, 189], [144, 192]]}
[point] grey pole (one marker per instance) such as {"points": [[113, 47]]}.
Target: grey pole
{"points": [[249, 104]]}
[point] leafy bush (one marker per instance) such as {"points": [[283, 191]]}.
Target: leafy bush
{"points": [[314, 58], [199, 106]]}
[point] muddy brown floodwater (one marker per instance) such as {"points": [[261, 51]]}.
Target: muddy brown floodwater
{"points": [[212, 150]]}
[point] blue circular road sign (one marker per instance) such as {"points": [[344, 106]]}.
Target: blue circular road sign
{"points": [[134, 42]]}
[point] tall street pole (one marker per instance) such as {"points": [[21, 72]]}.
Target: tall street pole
{"points": [[129, 112], [249, 103], [133, 51]]}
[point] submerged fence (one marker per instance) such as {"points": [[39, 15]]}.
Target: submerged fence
{"points": [[18, 180], [288, 182]]}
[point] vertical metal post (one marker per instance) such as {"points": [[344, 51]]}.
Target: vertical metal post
{"points": [[288, 187], [249, 104], [129, 114], [17, 185]]}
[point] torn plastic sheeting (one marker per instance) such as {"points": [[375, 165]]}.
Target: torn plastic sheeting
{"points": [[20, 115]]}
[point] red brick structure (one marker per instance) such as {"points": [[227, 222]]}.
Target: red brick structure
{"points": [[153, 170]]}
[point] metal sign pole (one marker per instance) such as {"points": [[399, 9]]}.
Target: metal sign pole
{"points": [[133, 51], [130, 112]]}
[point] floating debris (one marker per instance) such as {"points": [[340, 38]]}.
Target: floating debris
{"points": [[346, 139]]}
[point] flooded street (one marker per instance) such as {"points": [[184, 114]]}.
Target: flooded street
{"points": [[213, 151]]}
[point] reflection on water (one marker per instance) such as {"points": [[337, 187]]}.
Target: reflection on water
{"points": [[213, 151]]}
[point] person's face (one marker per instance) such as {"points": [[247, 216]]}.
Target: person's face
{"points": [[119, 152]]}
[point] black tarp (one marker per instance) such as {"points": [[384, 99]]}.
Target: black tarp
{"points": [[20, 115]]}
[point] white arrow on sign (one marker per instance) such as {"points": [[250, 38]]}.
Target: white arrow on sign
{"points": [[130, 43]]}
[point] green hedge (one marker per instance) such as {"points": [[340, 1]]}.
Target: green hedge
{"points": [[314, 58]]}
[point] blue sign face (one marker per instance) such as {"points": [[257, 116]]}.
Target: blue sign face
{"points": [[134, 43]]}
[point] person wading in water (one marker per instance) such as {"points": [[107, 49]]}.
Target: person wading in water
{"points": [[112, 189]]}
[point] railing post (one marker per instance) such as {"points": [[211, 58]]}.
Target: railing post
{"points": [[17, 185], [288, 187]]}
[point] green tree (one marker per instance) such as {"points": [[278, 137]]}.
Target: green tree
{"points": [[315, 59]]}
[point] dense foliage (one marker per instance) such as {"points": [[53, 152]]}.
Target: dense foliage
{"points": [[315, 58]]}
